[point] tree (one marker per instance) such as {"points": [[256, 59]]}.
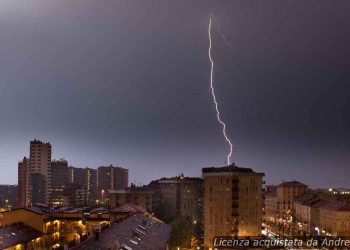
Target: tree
{"points": [[181, 233]]}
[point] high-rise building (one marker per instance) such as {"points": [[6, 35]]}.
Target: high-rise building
{"points": [[23, 183], [84, 179], [90, 176], [233, 202], [76, 175], [40, 171], [34, 175], [112, 178], [38, 188], [59, 180]]}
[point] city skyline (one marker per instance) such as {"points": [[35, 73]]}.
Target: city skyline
{"points": [[127, 84]]}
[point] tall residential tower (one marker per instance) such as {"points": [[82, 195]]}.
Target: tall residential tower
{"points": [[233, 202]]}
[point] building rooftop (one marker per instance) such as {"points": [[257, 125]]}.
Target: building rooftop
{"points": [[291, 183], [38, 142], [181, 177], [231, 168], [137, 232], [336, 206], [128, 208], [16, 234], [111, 166], [319, 203]]}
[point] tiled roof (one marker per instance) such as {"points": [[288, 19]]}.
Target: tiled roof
{"points": [[137, 232], [308, 198], [128, 208], [319, 203], [37, 210], [336, 206], [16, 234]]}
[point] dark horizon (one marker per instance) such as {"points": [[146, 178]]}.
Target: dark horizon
{"points": [[126, 83]]}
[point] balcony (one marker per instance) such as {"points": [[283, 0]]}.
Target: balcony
{"points": [[235, 205], [235, 197], [235, 181], [235, 213]]}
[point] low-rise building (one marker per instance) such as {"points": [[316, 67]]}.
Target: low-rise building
{"points": [[315, 217], [270, 208], [302, 208], [286, 193], [179, 196], [137, 232], [39, 228], [138, 195], [334, 219], [45, 232], [19, 236]]}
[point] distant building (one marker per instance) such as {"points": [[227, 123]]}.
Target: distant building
{"points": [[302, 210], [179, 196], [85, 178], [335, 194], [77, 195], [286, 193], [322, 212], [233, 202], [270, 207], [34, 175], [111, 178], [23, 183], [140, 196], [315, 217], [59, 181], [8, 196], [334, 219], [40, 171], [76, 175]]}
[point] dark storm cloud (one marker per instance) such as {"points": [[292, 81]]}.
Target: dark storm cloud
{"points": [[126, 82]]}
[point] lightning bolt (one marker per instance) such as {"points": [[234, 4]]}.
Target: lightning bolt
{"points": [[228, 43], [214, 96]]}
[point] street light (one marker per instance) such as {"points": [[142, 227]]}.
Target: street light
{"points": [[102, 192]]}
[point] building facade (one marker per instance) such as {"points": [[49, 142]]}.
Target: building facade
{"points": [[286, 193], [84, 179], [59, 181], [334, 219], [233, 202], [111, 178], [179, 196], [40, 171], [140, 196], [23, 185], [270, 208], [8, 196]]}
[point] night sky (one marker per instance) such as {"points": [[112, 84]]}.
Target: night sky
{"points": [[127, 83]]}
